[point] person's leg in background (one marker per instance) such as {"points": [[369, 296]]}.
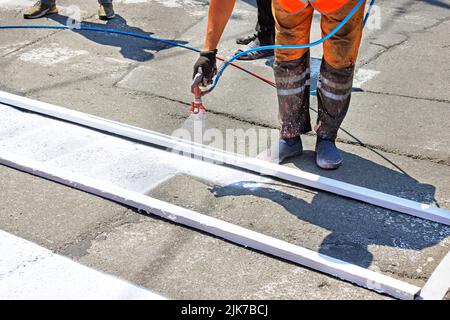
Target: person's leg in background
{"points": [[46, 7], [264, 35], [265, 28], [335, 81], [265, 22], [40, 9], [106, 10], [292, 76]]}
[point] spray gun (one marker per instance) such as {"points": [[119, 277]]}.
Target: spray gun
{"points": [[197, 104]]}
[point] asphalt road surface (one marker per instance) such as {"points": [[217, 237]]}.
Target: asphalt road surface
{"points": [[395, 139]]}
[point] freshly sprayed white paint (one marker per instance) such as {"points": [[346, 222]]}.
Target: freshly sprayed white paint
{"points": [[50, 55], [29, 271], [133, 166], [10, 128]]}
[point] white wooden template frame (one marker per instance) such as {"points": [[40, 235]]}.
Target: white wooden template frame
{"points": [[377, 198], [305, 257]]}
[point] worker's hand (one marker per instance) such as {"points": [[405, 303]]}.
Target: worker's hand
{"points": [[206, 64]]}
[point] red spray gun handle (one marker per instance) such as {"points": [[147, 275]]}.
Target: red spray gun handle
{"points": [[197, 104]]}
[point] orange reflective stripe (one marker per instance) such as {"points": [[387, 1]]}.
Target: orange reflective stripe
{"points": [[292, 5], [328, 6]]}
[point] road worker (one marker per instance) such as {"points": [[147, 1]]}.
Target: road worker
{"points": [[292, 67]]}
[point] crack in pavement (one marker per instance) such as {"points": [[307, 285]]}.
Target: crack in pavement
{"points": [[122, 218], [189, 27], [262, 123], [30, 43], [127, 71], [341, 140], [407, 36], [62, 84], [379, 45], [40, 39], [407, 96], [382, 52]]}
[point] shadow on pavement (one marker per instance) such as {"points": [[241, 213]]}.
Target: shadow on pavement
{"points": [[353, 226], [437, 3], [130, 48], [250, 2]]}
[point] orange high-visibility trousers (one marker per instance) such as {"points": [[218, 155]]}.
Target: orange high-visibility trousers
{"points": [[293, 20], [324, 6]]}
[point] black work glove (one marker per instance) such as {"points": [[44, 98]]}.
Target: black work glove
{"points": [[207, 63]]}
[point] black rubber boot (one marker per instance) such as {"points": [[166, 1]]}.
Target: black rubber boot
{"points": [[334, 90], [328, 156], [282, 150]]}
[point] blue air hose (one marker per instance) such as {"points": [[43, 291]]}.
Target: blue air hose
{"points": [[177, 44], [105, 30]]}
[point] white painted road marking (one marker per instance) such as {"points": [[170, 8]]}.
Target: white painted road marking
{"points": [[29, 271], [129, 165]]}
